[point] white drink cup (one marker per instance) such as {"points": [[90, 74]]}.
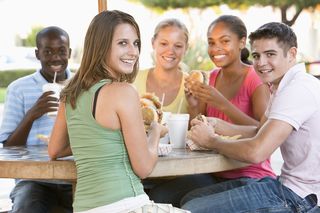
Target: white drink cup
{"points": [[56, 88], [178, 127]]}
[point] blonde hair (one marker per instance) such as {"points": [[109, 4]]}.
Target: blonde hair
{"points": [[97, 47], [172, 22]]}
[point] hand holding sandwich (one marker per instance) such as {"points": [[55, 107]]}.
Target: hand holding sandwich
{"points": [[152, 114], [200, 90], [195, 106], [200, 134]]}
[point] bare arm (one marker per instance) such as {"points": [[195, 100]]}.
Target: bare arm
{"points": [[142, 150], [42, 106], [260, 100], [222, 127], [213, 97], [59, 145], [252, 150]]}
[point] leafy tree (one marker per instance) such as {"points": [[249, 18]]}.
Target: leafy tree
{"points": [[30, 40], [283, 5], [197, 56]]}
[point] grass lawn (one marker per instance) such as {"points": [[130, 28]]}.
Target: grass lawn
{"points": [[2, 94]]}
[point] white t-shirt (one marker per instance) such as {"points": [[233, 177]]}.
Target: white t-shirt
{"points": [[297, 102]]}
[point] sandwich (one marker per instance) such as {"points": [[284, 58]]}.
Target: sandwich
{"points": [[198, 75], [202, 118], [151, 109]]}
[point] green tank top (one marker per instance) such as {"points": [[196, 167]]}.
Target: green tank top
{"points": [[104, 172]]}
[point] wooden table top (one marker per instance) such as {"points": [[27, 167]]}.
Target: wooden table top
{"points": [[32, 162]]}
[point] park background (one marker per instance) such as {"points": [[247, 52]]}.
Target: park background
{"points": [[20, 19]]}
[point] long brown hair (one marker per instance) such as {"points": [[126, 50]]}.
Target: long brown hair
{"points": [[97, 46]]}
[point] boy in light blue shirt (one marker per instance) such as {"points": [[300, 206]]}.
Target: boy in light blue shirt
{"points": [[25, 116]]}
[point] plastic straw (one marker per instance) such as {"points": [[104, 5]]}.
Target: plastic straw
{"points": [[162, 99], [55, 76], [180, 105]]}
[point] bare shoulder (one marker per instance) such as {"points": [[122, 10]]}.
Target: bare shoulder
{"points": [[123, 87], [121, 91]]}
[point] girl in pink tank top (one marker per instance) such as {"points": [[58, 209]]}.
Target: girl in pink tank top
{"points": [[235, 92]]}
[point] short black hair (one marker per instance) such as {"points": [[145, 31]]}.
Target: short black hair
{"points": [[50, 31], [282, 32]]}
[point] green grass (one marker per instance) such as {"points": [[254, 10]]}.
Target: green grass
{"points": [[2, 94]]}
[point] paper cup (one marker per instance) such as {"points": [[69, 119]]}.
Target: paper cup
{"points": [[178, 127], [56, 88]]}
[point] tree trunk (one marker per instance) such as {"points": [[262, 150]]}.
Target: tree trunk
{"points": [[284, 17]]}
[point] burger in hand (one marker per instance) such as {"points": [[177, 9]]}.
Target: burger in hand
{"points": [[151, 109], [198, 75], [195, 76]]}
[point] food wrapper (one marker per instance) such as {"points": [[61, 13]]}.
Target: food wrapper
{"points": [[164, 149]]}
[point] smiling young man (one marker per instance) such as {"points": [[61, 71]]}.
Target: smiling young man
{"points": [[291, 123], [25, 117]]}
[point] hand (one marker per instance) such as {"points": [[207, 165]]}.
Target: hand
{"points": [[156, 127], [193, 102], [188, 82], [201, 133], [43, 105], [208, 94]]}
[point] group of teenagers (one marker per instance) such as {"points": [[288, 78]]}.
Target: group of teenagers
{"points": [[272, 102]]}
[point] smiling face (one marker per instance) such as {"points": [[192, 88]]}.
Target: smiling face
{"points": [[124, 51], [169, 46], [224, 46], [270, 60], [53, 52]]}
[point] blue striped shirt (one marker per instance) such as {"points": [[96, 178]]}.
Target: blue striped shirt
{"points": [[22, 94]]}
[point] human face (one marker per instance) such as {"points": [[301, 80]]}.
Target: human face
{"points": [[270, 61], [224, 46], [124, 50], [53, 53], [169, 47]]}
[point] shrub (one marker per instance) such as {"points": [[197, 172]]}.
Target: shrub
{"points": [[2, 94], [6, 77]]}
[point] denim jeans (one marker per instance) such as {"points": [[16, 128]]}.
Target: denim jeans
{"points": [[171, 191], [221, 185], [40, 197], [265, 195]]}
